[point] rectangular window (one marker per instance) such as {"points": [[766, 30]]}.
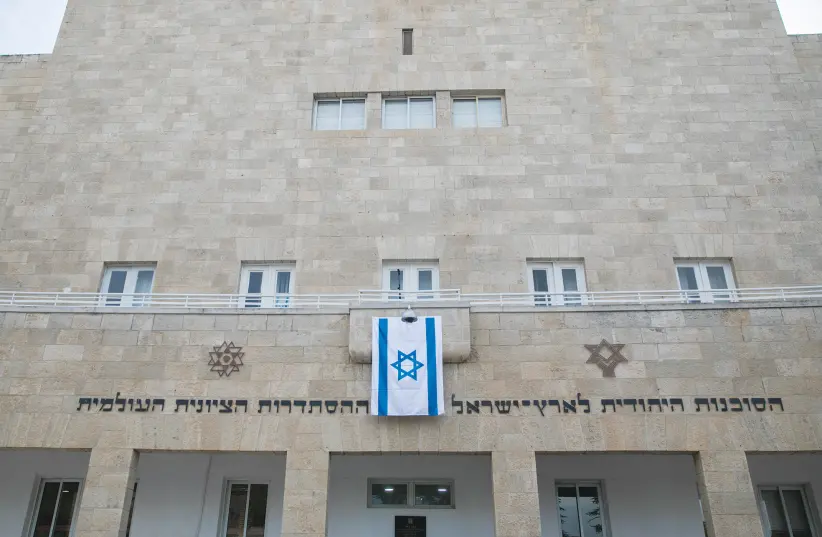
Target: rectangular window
{"points": [[411, 278], [339, 114], [266, 286], [786, 512], [407, 42], [557, 283], [473, 112], [408, 113], [580, 507], [705, 281], [420, 494], [56, 508], [244, 509], [127, 285]]}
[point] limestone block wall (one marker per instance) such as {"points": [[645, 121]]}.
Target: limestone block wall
{"points": [[50, 359], [635, 134], [21, 81]]}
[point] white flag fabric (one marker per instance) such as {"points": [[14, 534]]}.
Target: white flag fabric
{"points": [[406, 372]]}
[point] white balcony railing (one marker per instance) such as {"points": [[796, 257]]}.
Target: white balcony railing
{"points": [[602, 298], [318, 301]]}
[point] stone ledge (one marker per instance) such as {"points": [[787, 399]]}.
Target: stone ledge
{"points": [[456, 328]]}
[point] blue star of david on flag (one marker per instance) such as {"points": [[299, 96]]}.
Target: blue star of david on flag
{"points": [[415, 365]]}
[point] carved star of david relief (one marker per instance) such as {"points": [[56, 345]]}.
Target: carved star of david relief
{"points": [[607, 356], [226, 358]]}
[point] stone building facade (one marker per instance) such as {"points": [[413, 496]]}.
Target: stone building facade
{"points": [[633, 141]]}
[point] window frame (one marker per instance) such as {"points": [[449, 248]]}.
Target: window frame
{"points": [[126, 298], [810, 514], [411, 499], [412, 267], [583, 483], [340, 101], [38, 498], [407, 99], [556, 296], [265, 299], [477, 99], [704, 294], [226, 499]]}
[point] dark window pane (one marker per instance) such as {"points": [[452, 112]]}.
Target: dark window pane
{"points": [[590, 511], [255, 286], [687, 278], [687, 282], [716, 277], [395, 280], [283, 288], [143, 286], [776, 515], [541, 286], [283, 282], [45, 513], [568, 513], [117, 282], [570, 285], [569, 280], [255, 282], [426, 282], [717, 280], [387, 494], [65, 508], [256, 511], [796, 513], [237, 501], [432, 494]]}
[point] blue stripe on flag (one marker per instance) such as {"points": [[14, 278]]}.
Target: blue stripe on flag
{"points": [[382, 386], [431, 354]]}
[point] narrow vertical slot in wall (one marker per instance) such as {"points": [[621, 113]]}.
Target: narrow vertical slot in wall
{"points": [[407, 42]]}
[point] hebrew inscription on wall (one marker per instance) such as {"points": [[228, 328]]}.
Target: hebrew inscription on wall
{"points": [[519, 406]]}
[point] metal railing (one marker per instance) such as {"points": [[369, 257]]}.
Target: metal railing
{"points": [[676, 296], [171, 300], [318, 301]]}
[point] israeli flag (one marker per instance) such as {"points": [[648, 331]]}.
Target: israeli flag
{"points": [[406, 372]]}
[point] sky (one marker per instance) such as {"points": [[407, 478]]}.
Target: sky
{"points": [[799, 16], [31, 26]]}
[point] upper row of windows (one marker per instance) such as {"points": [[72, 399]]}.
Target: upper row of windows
{"points": [[407, 113], [551, 283]]}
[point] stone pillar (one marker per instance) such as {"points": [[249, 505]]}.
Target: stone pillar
{"points": [[728, 499], [516, 498], [443, 102], [373, 111], [107, 493], [305, 500]]}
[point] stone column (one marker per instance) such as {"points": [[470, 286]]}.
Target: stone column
{"points": [[728, 499], [443, 102], [107, 493], [305, 499], [373, 111], [516, 498]]}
